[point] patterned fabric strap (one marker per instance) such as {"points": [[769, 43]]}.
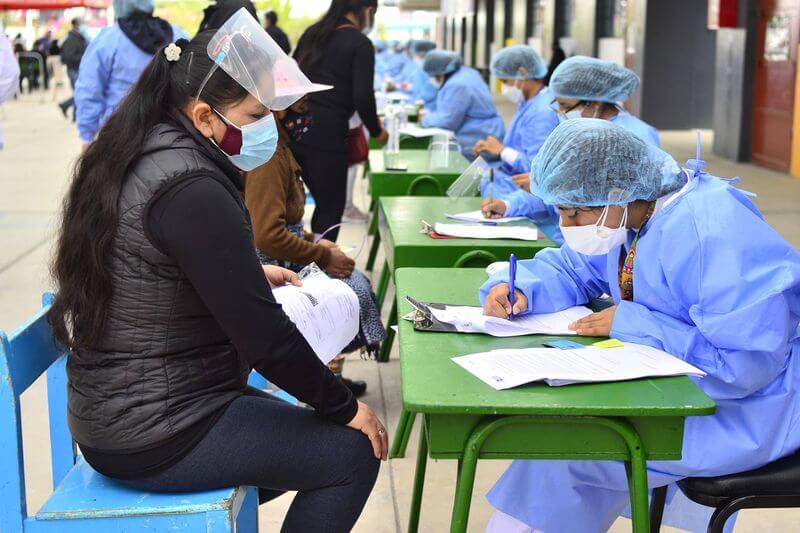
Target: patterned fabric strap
{"points": [[626, 260]]}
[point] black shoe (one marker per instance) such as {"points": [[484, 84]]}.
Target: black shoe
{"points": [[358, 388], [63, 110]]}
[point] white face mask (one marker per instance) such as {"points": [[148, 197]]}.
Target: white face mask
{"points": [[512, 93], [596, 239], [436, 83], [419, 60], [569, 115]]}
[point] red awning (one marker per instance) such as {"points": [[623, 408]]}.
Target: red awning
{"points": [[51, 4]]}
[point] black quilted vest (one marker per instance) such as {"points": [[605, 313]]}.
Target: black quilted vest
{"points": [[164, 363]]}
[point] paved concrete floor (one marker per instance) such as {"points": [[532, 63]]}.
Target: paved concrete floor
{"points": [[40, 148]]}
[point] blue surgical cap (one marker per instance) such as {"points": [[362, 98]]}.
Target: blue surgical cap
{"points": [[420, 48], [593, 162], [379, 44], [518, 62], [441, 62], [126, 8], [595, 80]]}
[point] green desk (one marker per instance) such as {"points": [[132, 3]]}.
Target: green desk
{"points": [[417, 180], [399, 230], [466, 420], [407, 142]]}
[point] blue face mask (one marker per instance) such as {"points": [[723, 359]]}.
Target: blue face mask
{"points": [[255, 143]]}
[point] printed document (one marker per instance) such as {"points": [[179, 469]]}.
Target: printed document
{"points": [[477, 216], [505, 369], [468, 319], [483, 231], [325, 311]]}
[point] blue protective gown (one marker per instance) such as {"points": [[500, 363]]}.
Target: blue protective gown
{"points": [[109, 68], [532, 123], [714, 285], [464, 105], [421, 87], [395, 63], [524, 204]]}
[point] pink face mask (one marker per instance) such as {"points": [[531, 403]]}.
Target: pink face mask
{"points": [[231, 142]]}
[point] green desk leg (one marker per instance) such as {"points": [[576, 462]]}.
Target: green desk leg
{"points": [[386, 345], [402, 434], [376, 240], [419, 482], [637, 481], [383, 284]]}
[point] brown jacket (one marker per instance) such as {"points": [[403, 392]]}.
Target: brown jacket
{"points": [[275, 197]]}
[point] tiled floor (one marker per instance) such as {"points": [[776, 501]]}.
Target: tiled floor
{"points": [[40, 148]]}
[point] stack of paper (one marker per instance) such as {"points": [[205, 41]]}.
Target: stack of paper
{"points": [[468, 319], [505, 369], [326, 312], [413, 130], [483, 231], [477, 216]]}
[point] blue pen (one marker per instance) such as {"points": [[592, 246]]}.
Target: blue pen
{"points": [[512, 280]]}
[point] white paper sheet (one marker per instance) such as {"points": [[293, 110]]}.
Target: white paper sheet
{"points": [[413, 130], [477, 216], [505, 369], [483, 231], [469, 319], [325, 311]]}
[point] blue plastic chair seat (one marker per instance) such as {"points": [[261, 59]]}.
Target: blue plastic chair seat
{"points": [[86, 494]]}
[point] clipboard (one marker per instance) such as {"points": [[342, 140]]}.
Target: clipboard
{"points": [[424, 320]]}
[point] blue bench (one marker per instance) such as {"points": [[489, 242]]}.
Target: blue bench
{"points": [[83, 500]]}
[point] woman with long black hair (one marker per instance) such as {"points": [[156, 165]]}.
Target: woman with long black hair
{"points": [[336, 52], [165, 307]]}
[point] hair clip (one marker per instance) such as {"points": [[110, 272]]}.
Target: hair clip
{"points": [[172, 52]]}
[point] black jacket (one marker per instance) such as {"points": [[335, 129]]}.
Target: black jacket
{"points": [[73, 48], [185, 325]]}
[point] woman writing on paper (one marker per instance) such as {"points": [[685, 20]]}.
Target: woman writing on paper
{"points": [[583, 87], [695, 271], [166, 308]]}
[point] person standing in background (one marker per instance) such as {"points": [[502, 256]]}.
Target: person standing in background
{"points": [[71, 53], [335, 51], [42, 47], [115, 59], [555, 60], [215, 15], [274, 31], [9, 72]]}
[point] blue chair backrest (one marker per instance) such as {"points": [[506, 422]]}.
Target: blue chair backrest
{"points": [[24, 356]]}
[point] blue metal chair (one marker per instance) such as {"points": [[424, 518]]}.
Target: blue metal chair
{"points": [[84, 500]]}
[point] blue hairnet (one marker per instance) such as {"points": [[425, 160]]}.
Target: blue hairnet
{"points": [[588, 78], [126, 8], [420, 48], [379, 45], [518, 62], [593, 162], [441, 62]]}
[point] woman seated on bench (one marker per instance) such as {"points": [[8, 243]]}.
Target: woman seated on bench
{"points": [[694, 270], [166, 308]]}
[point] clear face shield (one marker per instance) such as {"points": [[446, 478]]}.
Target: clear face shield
{"points": [[244, 50]]}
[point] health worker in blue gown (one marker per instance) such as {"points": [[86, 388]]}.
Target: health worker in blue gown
{"points": [[464, 104], [522, 71], [414, 81], [712, 283], [583, 87]]}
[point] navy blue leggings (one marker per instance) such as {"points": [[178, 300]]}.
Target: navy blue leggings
{"points": [[264, 442]]}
